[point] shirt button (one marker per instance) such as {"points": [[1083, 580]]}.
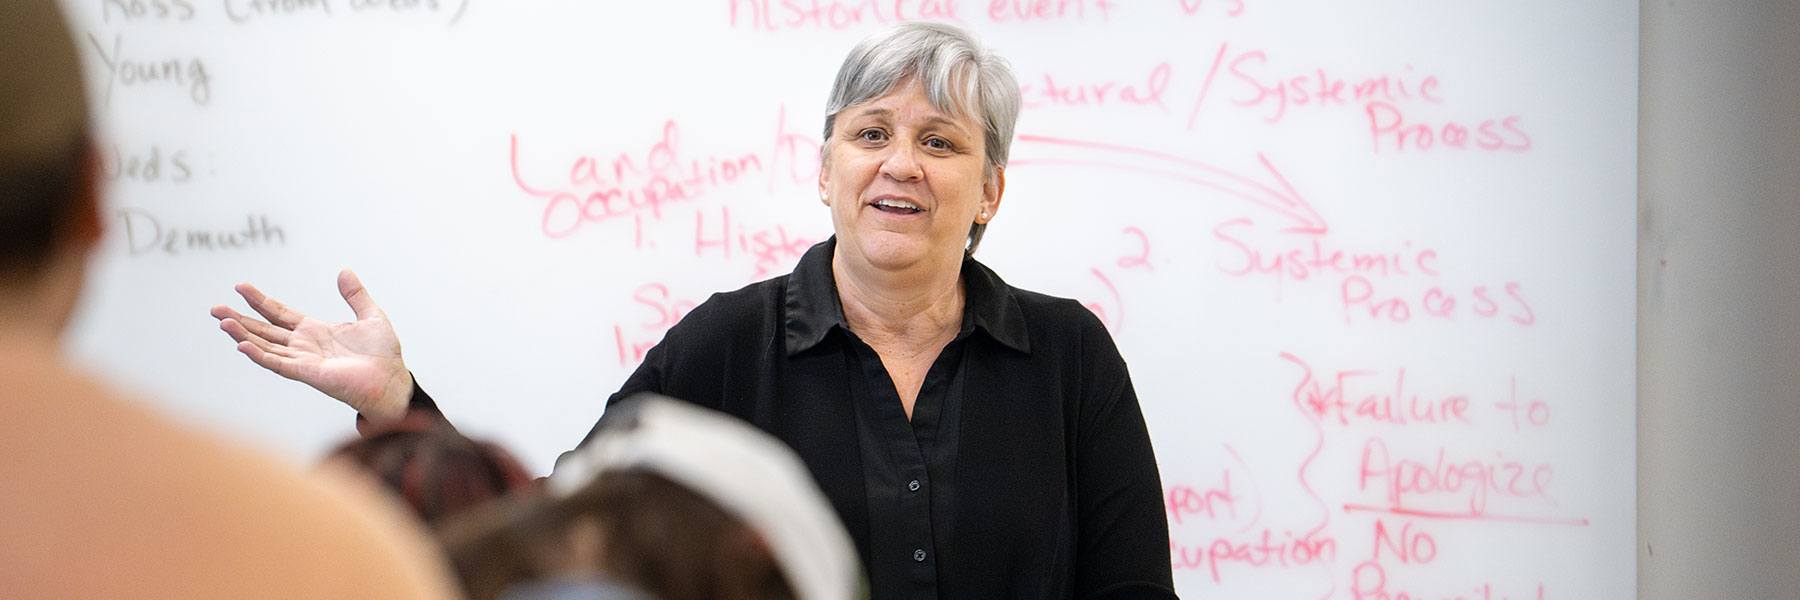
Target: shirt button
{"points": [[913, 485], [919, 555]]}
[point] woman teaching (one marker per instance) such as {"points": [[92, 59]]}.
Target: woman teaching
{"points": [[976, 439]]}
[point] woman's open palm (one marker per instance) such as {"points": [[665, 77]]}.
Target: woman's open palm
{"points": [[357, 362]]}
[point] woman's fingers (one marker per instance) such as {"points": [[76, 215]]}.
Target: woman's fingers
{"points": [[356, 295], [276, 312], [264, 330], [281, 365], [236, 330]]}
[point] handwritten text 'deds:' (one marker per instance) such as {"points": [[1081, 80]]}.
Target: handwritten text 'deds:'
{"points": [[152, 166]]}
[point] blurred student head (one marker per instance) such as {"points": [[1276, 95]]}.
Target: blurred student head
{"points": [[99, 497], [668, 502], [435, 470], [49, 217]]}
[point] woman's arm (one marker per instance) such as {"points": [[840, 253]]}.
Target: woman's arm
{"points": [[1123, 549]]}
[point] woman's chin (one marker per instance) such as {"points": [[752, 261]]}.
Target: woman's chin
{"points": [[894, 252]]}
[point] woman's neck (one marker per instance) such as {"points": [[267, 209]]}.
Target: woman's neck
{"points": [[909, 307]]}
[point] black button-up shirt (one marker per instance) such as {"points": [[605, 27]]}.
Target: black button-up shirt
{"points": [[1025, 472], [908, 465]]}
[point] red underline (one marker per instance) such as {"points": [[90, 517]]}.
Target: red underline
{"points": [[1459, 516]]}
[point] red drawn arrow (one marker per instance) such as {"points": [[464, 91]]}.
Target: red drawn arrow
{"points": [[1278, 195], [1467, 516]]}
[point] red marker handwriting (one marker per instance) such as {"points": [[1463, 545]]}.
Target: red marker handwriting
{"points": [[835, 15], [1406, 545], [1361, 396], [1231, 8], [1265, 549], [1136, 258], [1267, 188], [1140, 258], [1028, 11], [1363, 300], [1210, 503], [627, 184], [1276, 94], [1300, 258], [1472, 481], [1049, 92], [1526, 414], [606, 188], [1391, 131], [662, 310], [1369, 581], [772, 249]]}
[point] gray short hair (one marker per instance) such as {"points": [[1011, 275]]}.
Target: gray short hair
{"points": [[960, 77]]}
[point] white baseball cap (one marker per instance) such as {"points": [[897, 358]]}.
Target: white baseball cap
{"points": [[747, 472]]}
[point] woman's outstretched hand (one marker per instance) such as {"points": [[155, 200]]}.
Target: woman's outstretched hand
{"points": [[356, 362]]}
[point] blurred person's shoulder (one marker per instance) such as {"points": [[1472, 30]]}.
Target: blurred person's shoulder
{"points": [[102, 497]]}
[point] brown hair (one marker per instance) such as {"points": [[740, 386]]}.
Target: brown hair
{"points": [[47, 169], [655, 535], [437, 471], [40, 201]]}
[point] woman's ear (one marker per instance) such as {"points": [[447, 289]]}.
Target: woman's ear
{"points": [[991, 192]]}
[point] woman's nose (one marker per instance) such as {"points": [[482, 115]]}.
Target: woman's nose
{"points": [[902, 163]]}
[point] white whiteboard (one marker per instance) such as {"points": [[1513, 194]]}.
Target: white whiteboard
{"points": [[1471, 165]]}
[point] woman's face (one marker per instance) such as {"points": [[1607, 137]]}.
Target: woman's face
{"points": [[905, 181]]}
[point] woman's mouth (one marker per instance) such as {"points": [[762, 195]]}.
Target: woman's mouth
{"points": [[897, 206]]}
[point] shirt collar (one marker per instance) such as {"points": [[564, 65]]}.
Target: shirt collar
{"points": [[813, 307]]}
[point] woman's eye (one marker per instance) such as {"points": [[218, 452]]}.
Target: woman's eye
{"points": [[939, 144], [872, 135]]}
